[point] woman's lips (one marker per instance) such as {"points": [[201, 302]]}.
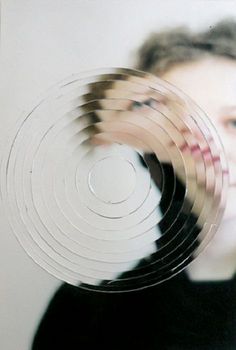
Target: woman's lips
{"points": [[193, 149], [205, 152]]}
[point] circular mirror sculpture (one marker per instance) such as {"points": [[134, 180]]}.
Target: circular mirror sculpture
{"points": [[114, 182]]}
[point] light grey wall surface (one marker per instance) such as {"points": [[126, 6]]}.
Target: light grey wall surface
{"points": [[43, 42]]}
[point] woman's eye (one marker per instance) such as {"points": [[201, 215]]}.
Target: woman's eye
{"points": [[149, 102], [231, 123], [136, 105]]}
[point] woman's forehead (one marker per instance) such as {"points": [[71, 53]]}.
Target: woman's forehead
{"points": [[208, 80]]}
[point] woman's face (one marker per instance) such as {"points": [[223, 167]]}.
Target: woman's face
{"points": [[211, 83]]}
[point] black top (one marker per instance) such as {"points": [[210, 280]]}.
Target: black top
{"points": [[178, 314]]}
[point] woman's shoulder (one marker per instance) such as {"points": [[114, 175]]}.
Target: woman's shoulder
{"points": [[79, 317]]}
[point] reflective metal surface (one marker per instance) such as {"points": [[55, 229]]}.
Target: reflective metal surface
{"points": [[115, 181]]}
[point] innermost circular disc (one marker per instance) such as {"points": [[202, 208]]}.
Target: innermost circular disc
{"points": [[112, 179]]}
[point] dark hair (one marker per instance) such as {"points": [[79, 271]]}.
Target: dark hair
{"points": [[163, 49], [168, 47]]}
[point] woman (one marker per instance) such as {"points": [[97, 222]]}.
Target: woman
{"points": [[197, 308]]}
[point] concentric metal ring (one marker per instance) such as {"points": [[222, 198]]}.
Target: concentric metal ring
{"points": [[114, 182]]}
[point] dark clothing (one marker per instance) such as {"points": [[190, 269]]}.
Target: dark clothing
{"points": [[176, 315]]}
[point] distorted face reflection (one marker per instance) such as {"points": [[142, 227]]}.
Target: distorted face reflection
{"points": [[211, 83]]}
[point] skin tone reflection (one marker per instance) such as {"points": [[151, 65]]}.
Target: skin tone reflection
{"points": [[211, 83]]}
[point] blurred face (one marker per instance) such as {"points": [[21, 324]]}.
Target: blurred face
{"points": [[211, 83]]}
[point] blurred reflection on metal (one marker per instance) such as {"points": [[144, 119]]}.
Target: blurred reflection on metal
{"points": [[115, 181]]}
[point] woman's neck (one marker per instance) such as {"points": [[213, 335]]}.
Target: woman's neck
{"points": [[218, 260]]}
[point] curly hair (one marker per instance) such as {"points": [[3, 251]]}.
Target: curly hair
{"points": [[176, 45], [163, 49]]}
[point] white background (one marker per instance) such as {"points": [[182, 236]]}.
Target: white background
{"points": [[42, 42]]}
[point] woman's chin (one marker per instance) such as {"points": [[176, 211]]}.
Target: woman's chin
{"points": [[230, 209]]}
